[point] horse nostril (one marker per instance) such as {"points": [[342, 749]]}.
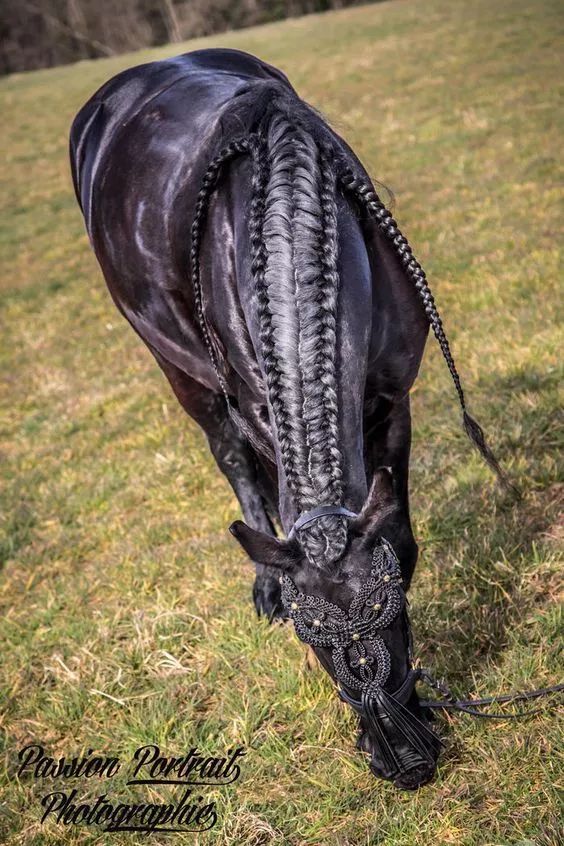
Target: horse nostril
{"points": [[416, 778], [363, 742]]}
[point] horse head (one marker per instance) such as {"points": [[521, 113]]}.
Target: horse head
{"points": [[354, 616]]}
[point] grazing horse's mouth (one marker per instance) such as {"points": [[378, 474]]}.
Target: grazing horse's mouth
{"points": [[397, 737], [402, 746]]}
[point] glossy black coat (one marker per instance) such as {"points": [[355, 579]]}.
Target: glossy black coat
{"points": [[139, 149]]}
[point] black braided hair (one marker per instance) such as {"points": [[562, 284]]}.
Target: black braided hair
{"points": [[258, 268], [365, 195], [208, 185], [322, 411], [317, 283], [328, 291]]}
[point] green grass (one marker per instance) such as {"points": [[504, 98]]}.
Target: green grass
{"points": [[126, 605]]}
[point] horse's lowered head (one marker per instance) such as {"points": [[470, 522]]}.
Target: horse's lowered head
{"points": [[353, 614]]}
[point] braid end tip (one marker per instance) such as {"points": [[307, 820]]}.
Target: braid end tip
{"points": [[478, 438]]}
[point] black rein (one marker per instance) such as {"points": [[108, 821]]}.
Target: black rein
{"points": [[469, 706]]}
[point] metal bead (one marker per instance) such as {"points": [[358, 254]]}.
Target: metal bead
{"points": [[294, 606], [362, 660], [356, 636], [317, 622], [386, 578], [377, 606]]}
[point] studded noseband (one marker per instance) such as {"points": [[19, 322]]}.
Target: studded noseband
{"points": [[358, 652]]}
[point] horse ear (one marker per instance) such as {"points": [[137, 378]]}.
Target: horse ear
{"points": [[380, 502], [262, 548]]}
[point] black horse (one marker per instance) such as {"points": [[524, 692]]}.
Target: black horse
{"points": [[244, 242]]}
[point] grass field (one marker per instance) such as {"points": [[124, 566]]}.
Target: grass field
{"points": [[126, 605]]}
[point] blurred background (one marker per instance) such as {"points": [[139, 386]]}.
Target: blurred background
{"points": [[43, 33]]}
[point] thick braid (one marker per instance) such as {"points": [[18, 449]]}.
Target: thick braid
{"points": [[316, 280], [306, 233], [281, 280], [259, 258], [367, 197], [325, 540], [209, 182], [293, 234]]}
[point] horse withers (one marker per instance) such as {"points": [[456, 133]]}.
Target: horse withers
{"points": [[245, 244]]}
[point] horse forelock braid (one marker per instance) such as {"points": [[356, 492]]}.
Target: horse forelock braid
{"points": [[369, 200]]}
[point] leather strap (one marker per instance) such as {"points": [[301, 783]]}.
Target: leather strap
{"points": [[466, 706], [315, 513], [402, 694], [469, 706]]}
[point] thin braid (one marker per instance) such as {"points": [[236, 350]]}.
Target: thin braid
{"points": [[328, 301], [368, 198], [209, 182]]}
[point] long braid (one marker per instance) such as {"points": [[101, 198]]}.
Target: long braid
{"points": [[271, 236], [259, 259], [328, 302], [315, 263], [209, 182], [327, 537], [293, 235], [367, 197]]}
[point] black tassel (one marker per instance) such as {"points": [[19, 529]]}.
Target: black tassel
{"points": [[382, 712], [389, 756], [476, 435]]}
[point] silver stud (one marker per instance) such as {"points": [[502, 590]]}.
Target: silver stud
{"points": [[356, 636], [377, 606], [386, 578], [362, 660], [294, 606], [317, 622]]}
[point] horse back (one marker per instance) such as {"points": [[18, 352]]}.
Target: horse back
{"points": [[139, 148]]}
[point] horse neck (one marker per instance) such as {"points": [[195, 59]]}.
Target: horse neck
{"points": [[353, 330]]}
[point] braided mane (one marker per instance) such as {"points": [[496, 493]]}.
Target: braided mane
{"points": [[294, 261], [297, 166]]}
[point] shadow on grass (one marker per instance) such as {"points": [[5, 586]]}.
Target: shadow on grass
{"points": [[496, 538], [18, 530]]}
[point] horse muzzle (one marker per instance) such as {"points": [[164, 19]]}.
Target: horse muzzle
{"points": [[402, 747]]}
